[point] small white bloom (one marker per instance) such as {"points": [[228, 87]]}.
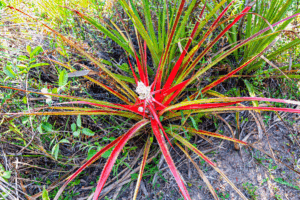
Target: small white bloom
{"points": [[140, 109], [143, 91], [45, 90]]}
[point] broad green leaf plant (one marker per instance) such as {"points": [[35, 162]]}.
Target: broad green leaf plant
{"points": [[155, 101]]}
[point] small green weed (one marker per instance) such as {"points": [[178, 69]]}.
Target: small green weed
{"points": [[222, 195], [283, 182], [251, 190]]}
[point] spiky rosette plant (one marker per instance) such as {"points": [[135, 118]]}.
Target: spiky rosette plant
{"points": [[151, 104]]}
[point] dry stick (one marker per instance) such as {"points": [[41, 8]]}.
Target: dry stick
{"points": [[273, 65], [288, 128], [278, 160], [116, 193], [23, 188], [144, 188], [259, 126], [33, 166], [16, 185], [120, 183], [236, 145], [30, 119], [188, 163], [4, 184], [266, 133], [53, 185], [202, 175], [134, 162]]}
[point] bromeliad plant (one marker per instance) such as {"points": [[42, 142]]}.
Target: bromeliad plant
{"points": [[163, 99]]}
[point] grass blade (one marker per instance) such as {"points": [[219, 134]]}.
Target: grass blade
{"points": [[217, 82], [71, 43], [117, 94], [226, 99], [104, 103], [143, 164], [207, 133], [190, 146]]}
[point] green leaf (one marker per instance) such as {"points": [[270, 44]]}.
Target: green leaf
{"points": [[63, 78], [73, 127], [124, 67], [24, 99], [54, 91], [64, 141], [39, 128], [6, 174], [76, 133], [106, 154], [45, 195], [36, 51], [46, 126], [134, 176], [91, 153], [281, 181], [78, 121], [22, 58], [38, 65], [88, 132], [2, 4], [28, 48], [21, 67], [194, 123], [251, 90], [55, 150], [9, 72]]}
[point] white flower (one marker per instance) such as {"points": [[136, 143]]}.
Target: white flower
{"points": [[299, 85], [108, 5], [143, 91], [140, 109], [45, 90]]}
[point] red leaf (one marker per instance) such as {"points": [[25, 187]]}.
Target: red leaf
{"points": [[166, 52], [205, 106], [145, 60], [184, 52], [156, 118], [89, 162], [141, 71], [169, 159], [113, 157], [217, 82], [165, 92], [290, 110], [243, 13], [134, 75], [212, 27]]}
